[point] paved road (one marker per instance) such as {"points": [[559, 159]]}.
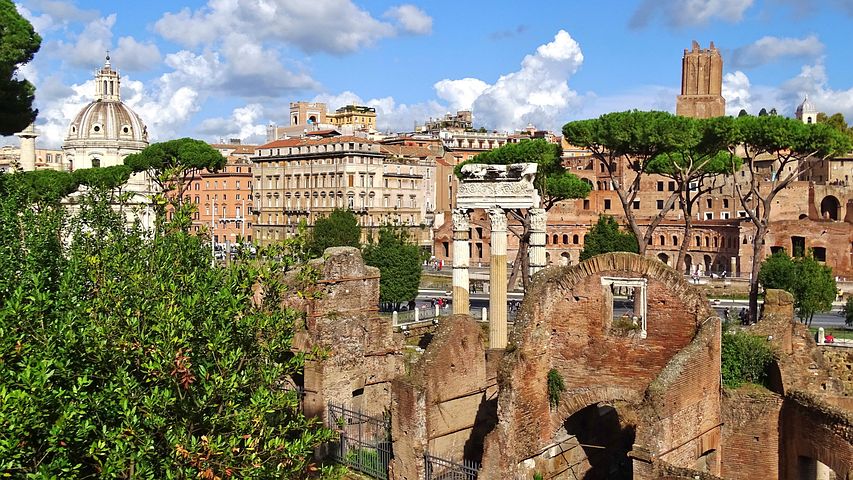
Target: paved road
{"points": [[832, 319]]}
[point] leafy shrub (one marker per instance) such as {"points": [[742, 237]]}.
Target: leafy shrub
{"points": [[125, 354], [745, 358], [555, 387]]}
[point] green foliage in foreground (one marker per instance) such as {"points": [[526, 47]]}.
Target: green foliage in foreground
{"points": [[745, 358], [124, 354], [606, 236]]}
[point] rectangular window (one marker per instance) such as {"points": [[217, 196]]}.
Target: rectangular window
{"points": [[671, 186], [238, 184], [709, 203], [709, 215], [586, 204], [660, 186], [725, 203], [725, 215], [660, 204], [607, 204], [636, 205]]}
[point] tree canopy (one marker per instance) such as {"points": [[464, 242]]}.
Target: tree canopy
{"points": [[553, 182], [810, 282], [172, 163], [18, 43], [399, 263], [606, 236], [125, 354], [339, 229], [624, 143], [792, 148]]}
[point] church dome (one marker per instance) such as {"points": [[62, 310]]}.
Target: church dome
{"points": [[109, 121], [106, 130]]}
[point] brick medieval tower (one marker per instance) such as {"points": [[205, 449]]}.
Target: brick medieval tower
{"points": [[701, 83]]}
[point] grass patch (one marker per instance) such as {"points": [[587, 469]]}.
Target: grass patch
{"points": [[841, 333]]}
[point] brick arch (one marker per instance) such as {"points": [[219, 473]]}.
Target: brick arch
{"points": [[574, 401], [559, 327]]}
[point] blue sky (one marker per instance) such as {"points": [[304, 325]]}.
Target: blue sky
{"points": [[226, 68]]}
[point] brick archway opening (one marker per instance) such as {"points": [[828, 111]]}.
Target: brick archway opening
{"points": [[830, 208], [604, 437]]}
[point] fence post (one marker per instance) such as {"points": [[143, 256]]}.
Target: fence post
{"points": [[417, 313], [485, 314], [394, 318], [437, 310], [821, 336]]}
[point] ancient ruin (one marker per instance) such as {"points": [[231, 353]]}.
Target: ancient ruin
{"points": [[636, 350], [701, 83]]}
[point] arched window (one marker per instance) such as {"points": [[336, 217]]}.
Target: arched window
{"points": [[554, 239], [662, 240], [96, 162], [565, 239], [575, 239], [715, 242], [674, 241]]}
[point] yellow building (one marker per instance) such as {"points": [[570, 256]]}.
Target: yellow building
{"points": [[358, 116]]}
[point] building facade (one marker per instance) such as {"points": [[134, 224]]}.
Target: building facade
{"points": [[302, 179], [224, 201]]}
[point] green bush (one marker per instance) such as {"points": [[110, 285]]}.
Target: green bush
{"points": [[125, 354], [848, 312], [745, 358], [555, 387]]}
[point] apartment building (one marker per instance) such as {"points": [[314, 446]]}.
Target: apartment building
{"points": [[224, 201], [305, 178]]}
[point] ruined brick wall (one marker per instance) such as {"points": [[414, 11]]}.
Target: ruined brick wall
{"points": [[681, 414], [442, 406], [363, 354], [840, 363], [565, 324], [816, 430], [750, 447]]}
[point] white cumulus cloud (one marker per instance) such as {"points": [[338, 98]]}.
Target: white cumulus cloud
{"points": [[685, 13], [133, 55], [460, 94], [537, 93], [411, 18], [769, 49], [331, 26], [736, 91], [245, 123]]}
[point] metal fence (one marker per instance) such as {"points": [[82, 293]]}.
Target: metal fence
{"points": [[364, 443], [417, 315], [443, 469]]}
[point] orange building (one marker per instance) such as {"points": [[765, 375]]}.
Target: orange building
{"points": [[224, 201]]}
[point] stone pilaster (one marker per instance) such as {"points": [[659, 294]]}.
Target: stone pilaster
{"points": [[538, 227], [497, 280], [461, 259]]}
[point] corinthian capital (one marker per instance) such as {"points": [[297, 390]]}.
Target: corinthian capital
{"points": [[460, 219], [498, 218]]}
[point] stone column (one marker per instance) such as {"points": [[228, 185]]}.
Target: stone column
{"points": [[538, 227], [732, 267], [497, 280], [461, 258], [28, 148]]}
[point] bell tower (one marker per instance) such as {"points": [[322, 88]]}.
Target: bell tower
{"points": [[107, 83], [701, 83]]}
